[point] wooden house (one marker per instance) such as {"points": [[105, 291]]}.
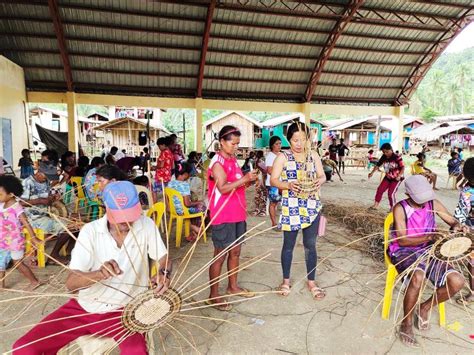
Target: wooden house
{"points": [[278, 126], [359, 131], [251, 129], [125, 133]]}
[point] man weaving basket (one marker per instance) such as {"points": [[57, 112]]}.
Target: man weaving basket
{"points": [[109, 268]]}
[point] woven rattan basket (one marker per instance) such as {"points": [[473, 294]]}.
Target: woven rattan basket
{"points": [[148, 311]]}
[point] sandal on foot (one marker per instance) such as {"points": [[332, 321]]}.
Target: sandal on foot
{"points": [[408, 339], [220, 306], [283, 290], [245, 293], [465, 300], [420, 323], [317, 292]]}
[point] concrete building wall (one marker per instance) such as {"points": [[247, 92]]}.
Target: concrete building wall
{"points": [[12, 108]]}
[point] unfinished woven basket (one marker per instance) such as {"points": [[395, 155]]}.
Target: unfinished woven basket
{"points": [[454, 248], [148, 311], [58, 208]]}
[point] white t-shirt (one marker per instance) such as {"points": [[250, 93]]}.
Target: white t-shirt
{"points": [[269, 159], [95, 245]]}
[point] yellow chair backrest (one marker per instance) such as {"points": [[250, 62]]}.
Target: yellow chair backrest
{"points": [[170, 193], [156, 212], [76, 182], [387, 227]]}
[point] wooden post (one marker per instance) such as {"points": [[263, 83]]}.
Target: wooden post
{"points": [[198, 139], [306, 111], [72, 138], [377, 132]]}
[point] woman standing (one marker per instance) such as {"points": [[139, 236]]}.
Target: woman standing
{"points": [[165, 163], [228, 214], [299, 213], [273, 194], [260, 190]]}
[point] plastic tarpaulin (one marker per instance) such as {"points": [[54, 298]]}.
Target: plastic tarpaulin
{"points": [[53, 140]]}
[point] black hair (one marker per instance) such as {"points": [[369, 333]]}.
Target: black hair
{"points": [[421, 156], [110, 172], [370, 151], [45, 153], [453, 153], [113, 150], [259, 154], [173, 135], [211, 155], [96, 161], [141, 180], [145, 150], [182, 168], [341, 139], [83, 161], [11, 184], [386, 146], [296, 127], [468, 170], [193, 155], [227, 132], [459, 150], [161, 141], [24, 151]]}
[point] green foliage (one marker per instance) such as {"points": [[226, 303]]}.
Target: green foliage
{"points": [[428, 113], [447, 87]]}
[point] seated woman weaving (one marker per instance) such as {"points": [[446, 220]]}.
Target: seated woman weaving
{"points": [[412, 237]]}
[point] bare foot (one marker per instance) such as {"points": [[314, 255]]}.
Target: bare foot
{"points": [[407, 337]]}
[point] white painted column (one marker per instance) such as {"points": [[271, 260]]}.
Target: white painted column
{"points": [[72, 121], [306, 111], [198, 126], [397, 133]]}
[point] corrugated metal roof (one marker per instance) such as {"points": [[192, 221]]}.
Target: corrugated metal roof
{"points": [[257, 50]]}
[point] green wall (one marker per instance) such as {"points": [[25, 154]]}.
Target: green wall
{"points": [[262, 143]]}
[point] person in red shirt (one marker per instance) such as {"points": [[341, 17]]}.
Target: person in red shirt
{"points": [[394, 168], [165, 163]]}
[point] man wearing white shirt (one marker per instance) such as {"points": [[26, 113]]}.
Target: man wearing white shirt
{"points": [[109, 266]]}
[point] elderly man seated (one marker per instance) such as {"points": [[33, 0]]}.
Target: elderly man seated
{"points": [[109, 266]]}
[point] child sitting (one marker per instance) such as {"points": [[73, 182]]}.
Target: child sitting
{"points": [[25, 164], [464, 213], [182, 174], [414, 228], [11, 238], [455, 166], [420, 168]]}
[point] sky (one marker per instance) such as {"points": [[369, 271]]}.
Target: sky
{"points": [[464, 40]]}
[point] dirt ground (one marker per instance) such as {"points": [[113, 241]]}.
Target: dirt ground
{"points": [[346, 321]]}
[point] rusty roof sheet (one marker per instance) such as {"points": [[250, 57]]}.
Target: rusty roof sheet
{"points": [[257, 50]]}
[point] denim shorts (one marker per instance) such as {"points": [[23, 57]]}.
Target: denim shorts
{"points": [[5, 258]]}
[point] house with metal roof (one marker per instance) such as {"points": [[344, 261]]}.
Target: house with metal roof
{"points": [[250, 129]]}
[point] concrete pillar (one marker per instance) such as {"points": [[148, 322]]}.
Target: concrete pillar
{"points": [[198, 130], [397, 134], [72, 139], [306, 111]]}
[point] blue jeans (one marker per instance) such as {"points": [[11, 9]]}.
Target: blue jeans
{"points": [[309, 241]]}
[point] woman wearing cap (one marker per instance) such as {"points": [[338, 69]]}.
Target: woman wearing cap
{"points": [[297, 212], [109, 266], [228, 214], [413, 234]]}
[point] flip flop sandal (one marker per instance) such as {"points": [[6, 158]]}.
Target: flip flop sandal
{"points": [[420, 323], [283, 290], [245, 293], [413, 344], [221, 306], [317, 292]]}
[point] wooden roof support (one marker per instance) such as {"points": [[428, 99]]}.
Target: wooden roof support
{"points": [[430, 57], [341, 24], [205, 44], [58, 30]]}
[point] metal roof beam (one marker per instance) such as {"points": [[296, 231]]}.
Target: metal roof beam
{"points": [[341, 24], [430, 57], [58, 30], [311, 13], [205, 45]]}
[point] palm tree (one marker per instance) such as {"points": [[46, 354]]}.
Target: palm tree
{"points": [[462, 76], [438, 85]]}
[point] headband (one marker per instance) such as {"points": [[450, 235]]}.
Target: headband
{"points": [[230, 132]]}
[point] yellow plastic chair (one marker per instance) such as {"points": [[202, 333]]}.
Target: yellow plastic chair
{"points": [[184, 218], [39, 248], [81, 199], [156, 213], [392, 275]]}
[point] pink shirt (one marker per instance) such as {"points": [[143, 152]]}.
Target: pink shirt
{"points": [[11, 237], [235, 206]]}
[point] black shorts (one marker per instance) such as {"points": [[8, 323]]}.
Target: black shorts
{"points": [[226, 234]]}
